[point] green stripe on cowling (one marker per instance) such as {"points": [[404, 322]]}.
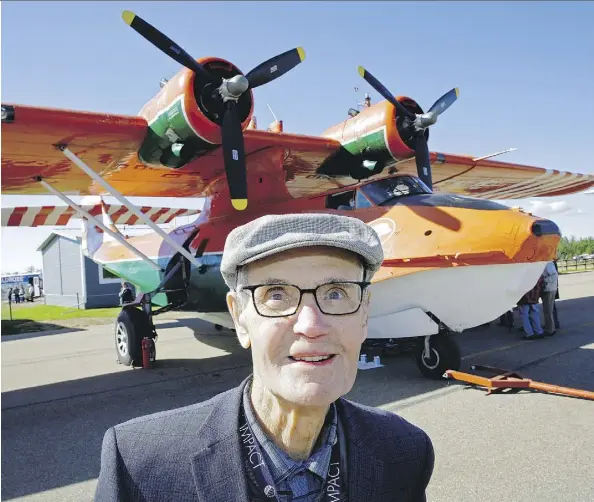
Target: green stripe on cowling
{"points": [[170, 126], [372, 143], [172, 118]]}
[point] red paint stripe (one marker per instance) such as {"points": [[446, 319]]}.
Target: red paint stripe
{"points": [[17, 215], [133, 219], [96, 210], [63, 219], [116, 216], [160, 213], [179, 212], [42, 215]]}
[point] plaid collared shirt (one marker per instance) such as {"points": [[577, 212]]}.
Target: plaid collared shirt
{"points": [[295, 480]]}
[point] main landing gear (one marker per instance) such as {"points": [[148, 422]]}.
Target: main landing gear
{"points": [[433, 354], [135, 322], [132, 326], [436, 354]]}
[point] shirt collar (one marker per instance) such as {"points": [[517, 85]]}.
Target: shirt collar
{"points": [[281, 465]]}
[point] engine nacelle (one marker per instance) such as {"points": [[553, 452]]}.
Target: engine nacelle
{"points": [[186, 116], [371, 140]]}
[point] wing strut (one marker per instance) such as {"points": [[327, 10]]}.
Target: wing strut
{"points": [[79, 163], [95, 221]]}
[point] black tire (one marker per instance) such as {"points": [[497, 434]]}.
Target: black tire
{"points": [[218, 327], [132, 325], [445, 355]]}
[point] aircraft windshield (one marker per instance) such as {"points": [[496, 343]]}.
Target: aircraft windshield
{"points": [[383, 191]]}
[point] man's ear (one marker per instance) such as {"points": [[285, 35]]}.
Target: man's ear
{"points": [[235, 311]]}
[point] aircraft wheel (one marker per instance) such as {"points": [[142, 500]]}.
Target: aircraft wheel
{"points": [[444, 355], [132, 325], [218, 327]]}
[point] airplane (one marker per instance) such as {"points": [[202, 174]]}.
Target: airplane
{"points": [[454, 258]]}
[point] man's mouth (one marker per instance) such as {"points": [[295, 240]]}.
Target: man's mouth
{"points": [[317, 359]]}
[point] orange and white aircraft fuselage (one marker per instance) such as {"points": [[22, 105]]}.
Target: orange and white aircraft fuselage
{"points": [[453, 258]]}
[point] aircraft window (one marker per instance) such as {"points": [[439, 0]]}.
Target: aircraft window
{"points": [[361, 201], [341, 201], [382, 191]]}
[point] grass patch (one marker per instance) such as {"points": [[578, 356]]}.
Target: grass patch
{"points": [[54, 313], [29, 318]]}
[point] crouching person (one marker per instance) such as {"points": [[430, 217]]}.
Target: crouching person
{"points": [[299, 297]]}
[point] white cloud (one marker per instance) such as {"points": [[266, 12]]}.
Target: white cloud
{"points": [[556, 207]]}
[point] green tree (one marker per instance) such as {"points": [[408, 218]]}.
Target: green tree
{"points": [[570, 247]]}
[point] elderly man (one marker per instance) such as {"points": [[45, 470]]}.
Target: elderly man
{"points": [[299, 298]]}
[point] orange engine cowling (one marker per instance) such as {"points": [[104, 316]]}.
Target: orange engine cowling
{"points": [[371, 139], [186, 116]]}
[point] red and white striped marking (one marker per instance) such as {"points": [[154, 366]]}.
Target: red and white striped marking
{"points": [[61, 215]]}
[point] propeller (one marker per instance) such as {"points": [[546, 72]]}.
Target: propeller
{"points": [[416, 123], [229, 91]]}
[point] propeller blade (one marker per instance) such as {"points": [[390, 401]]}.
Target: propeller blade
{"points": [[447, 100], [234, 157], [275, 67], [377, 85], [423, 161], [165, 44]]}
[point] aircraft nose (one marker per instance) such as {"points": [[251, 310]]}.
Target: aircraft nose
{"points": [[545, 227]]}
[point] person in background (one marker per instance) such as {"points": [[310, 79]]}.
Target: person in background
{"points": [[557, 325], [550, 278], [530, 312], [126, 295]]}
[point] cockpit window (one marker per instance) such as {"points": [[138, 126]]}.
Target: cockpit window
{"points": [[382, 191]]}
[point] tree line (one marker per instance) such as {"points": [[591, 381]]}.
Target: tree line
{"points": [[570, 247]]}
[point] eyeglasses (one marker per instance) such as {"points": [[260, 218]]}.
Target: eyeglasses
{"points": [[283, 300]]}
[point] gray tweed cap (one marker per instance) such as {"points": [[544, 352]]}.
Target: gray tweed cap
{"points": [[275, 233]]}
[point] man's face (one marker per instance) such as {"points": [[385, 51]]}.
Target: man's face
{"points": [[276, 343]]}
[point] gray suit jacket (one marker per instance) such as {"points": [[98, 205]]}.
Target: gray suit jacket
{"points": [[193, 454]]}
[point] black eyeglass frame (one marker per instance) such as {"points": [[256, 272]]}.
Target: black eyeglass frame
{"points": [[362, 284]]}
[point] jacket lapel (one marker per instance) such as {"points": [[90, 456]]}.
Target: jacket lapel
{"points": [[217, 465]]}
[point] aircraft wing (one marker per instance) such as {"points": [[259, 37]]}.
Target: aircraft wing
{"points": [[108, 144], [287, 162], [490, 179], [33, 216]]}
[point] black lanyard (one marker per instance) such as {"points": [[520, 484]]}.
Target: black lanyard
{"points": [[334, 488]]}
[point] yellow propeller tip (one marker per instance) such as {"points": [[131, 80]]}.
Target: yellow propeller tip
{"points": [[361, 71], [128, 16], [301, 53], [457, 92], [239, 204]]}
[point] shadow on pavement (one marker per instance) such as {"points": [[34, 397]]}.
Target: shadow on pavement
{"points": [[27, 328]]}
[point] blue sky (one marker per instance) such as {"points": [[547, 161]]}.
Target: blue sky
{"points": [[525, 72]]}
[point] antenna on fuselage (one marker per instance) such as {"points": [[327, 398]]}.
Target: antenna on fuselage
{"points": [[494, 154], [277, 125]]}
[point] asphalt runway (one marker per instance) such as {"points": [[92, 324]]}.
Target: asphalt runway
{"points": [[61, 391]]}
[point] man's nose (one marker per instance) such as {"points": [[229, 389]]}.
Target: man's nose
{"points": [[311, 321]]}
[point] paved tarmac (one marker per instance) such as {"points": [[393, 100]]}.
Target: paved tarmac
{"points": [[61, 391]]}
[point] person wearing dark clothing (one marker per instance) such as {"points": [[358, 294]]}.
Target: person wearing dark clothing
{"points": [[530, 312], [298, 295], [126, 295]]}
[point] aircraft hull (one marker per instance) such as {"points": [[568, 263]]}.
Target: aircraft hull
{"points": [[461, 298]]}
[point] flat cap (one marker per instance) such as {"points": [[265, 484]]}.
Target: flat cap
{"points": [[276, 233]]}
